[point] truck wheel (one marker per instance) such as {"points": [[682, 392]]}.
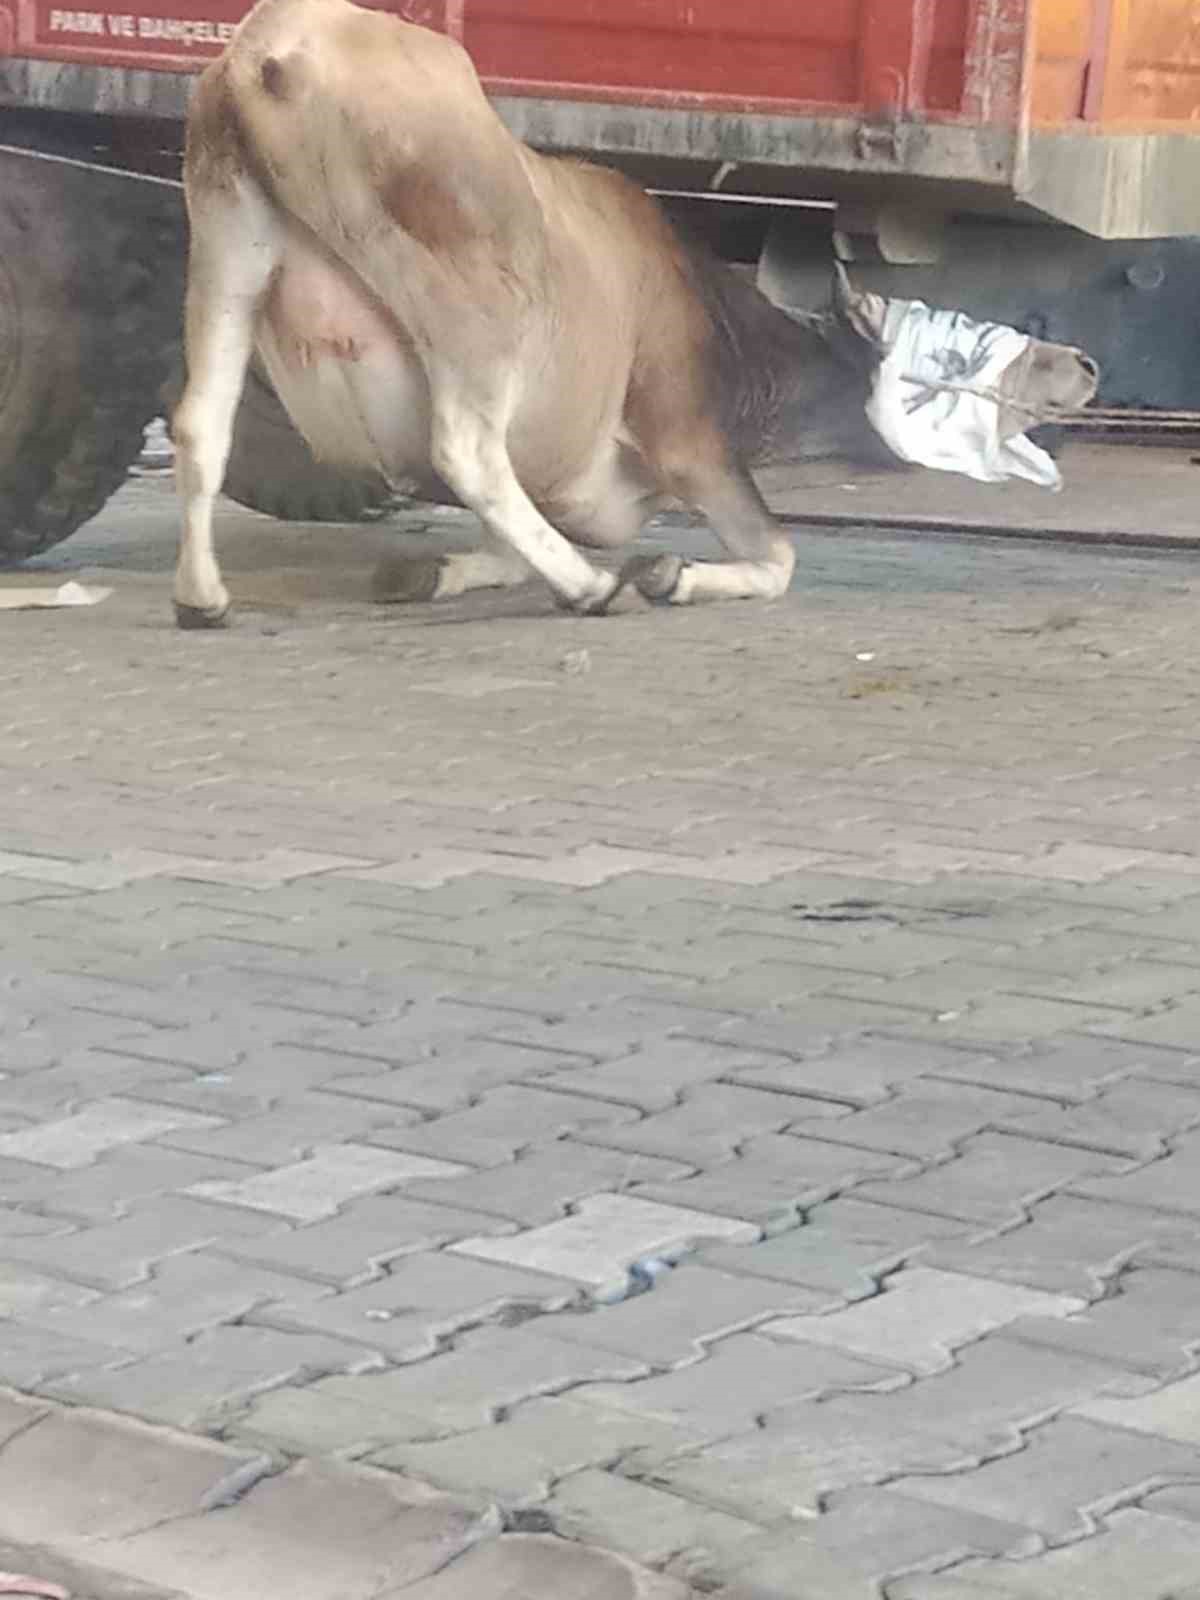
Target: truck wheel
{"points": [[271, 468], [90, 284]]}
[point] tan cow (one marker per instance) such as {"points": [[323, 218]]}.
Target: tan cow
{"points": [[434, 300]]}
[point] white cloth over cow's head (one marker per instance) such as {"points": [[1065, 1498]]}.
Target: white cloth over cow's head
{"points": [[922, 349]]}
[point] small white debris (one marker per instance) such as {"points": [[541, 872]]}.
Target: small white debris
{"points": [[865, 655], [576, 662], [67, 594]]}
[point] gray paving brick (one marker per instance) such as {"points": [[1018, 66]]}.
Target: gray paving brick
{"points": [[774, 1177], [31, 1356], [1171, 1412], [1074, 1069], [605, 1237], [187, 1295], [870, 1535], [291, 1130], [540, 1186], [116, 1254], [114, 1184], [364, 1236], [505, 1122], [687, 1310], [82, 1075], [202, 1383], [457, 1076], [654, 1077], [518, 1460], [1068, 1472], [922, 1317], [487, 1373], [520, 1564], [926, 1119], [741, 1378], [857, 1073], [101, 1125], [25, 1294], [1135, 1552], [707, 1127], [1169, 1185], [320, 1185], [694, 1542], [1150, 1326], [842, 1248], [1072, 1246], [421, 1300], [1133, 1118], [993, 1180]]}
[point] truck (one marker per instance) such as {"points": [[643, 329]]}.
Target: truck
{"points": [[1032, 161]]}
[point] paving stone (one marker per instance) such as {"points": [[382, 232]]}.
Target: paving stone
{"points": [[527, 1564], [1135, 1553], [30, 1357], [364, 1236], [842, 1249], [16, 1414], [187, 1295], [707, 1127], [115, 1183], [693, 1542], [78, 1476], [519, 1459], [1134, 1118], [81, 1076], [291, 1131], [201, 1384], [317, 1187], [1181, 1501], [458, 1074], [24, 1293], [686, 1310], [870, 1535], [506, 1121], [1072, 1069], [741, 1378], [422, 1300], [774, 1177], [1177, 1027], [541, 1186], [926, 1119], [1072, 1246], [488, 1372], [116, 1254], [1171, 1412], [1150, 1326], [994, 1181], [859, 1073], [604, 1238], [1172, 1184], [1069, 1472], [654, 1077], [922, 1317], [313, 1531]]}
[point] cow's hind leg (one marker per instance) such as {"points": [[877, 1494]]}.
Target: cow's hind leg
{"points": [[235, 247], [469, 453], [702, 474]]}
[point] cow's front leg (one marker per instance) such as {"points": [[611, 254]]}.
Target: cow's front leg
{"points": [[469, 453], [234, 250]]}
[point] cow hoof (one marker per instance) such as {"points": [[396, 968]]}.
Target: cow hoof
{"points": [[397, 580], [656, 578], [194, 617], [595, 604]]}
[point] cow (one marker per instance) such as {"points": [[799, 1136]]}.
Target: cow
{"points": [[437, 302]]}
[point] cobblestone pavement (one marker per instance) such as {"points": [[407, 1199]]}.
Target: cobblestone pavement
{"points": [[721, 1084]]}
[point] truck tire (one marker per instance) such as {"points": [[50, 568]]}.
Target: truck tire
{"points": [[91, 270], [272, 469]]}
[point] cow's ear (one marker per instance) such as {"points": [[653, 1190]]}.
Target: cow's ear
{"points": [[861, 311]]}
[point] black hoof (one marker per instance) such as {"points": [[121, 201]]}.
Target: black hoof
{"points": [[194, 617], [656, 578], [397, 580]]}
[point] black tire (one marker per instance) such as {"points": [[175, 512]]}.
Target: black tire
{"points": [[91, 277], [272, 469]]}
